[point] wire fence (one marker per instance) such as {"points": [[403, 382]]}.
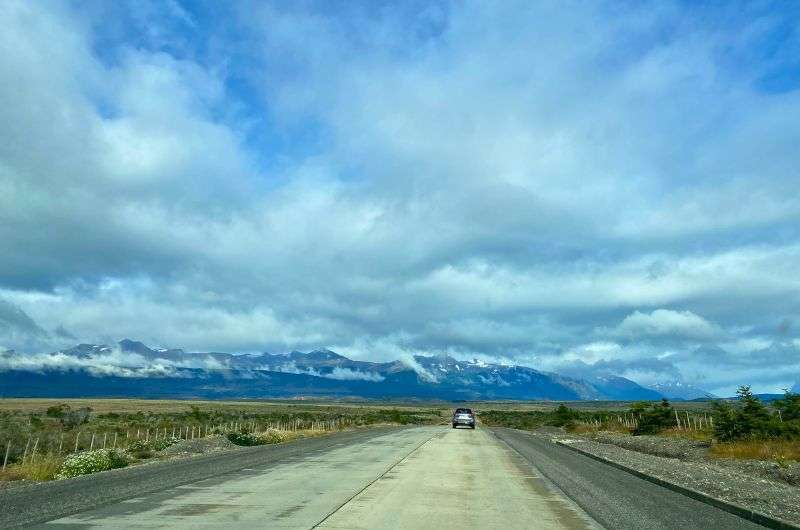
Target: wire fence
{"points": [[37, 444]]}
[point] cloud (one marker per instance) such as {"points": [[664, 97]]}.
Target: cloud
{"points": [[105, 362], [666, 323], [273, 177], [348, 374]]}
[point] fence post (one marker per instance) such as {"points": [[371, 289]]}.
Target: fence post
{"points": [[33, 453], [60, 443], [25, 453], [8, 450], [77, 439], [91, 444], [115, 441]]}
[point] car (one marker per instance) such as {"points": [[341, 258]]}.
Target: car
{"points": [[464, 417]]}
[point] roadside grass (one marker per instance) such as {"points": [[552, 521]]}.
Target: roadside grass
{"points": [[592, 428], [777, 450], [700, 435], [44, 467]]}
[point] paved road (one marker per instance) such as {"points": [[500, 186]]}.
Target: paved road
{"points": [[430, 477], [614, 498], [426, 477]]}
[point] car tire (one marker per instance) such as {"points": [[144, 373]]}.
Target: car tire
{"points": [[472, 427], [454, 425]]}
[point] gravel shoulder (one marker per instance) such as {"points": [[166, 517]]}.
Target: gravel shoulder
{"points": [[760, 486]]}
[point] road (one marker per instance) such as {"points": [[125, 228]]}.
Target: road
{"points": [[424, 477]]}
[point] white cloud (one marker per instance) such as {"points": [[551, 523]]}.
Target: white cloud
{"points": [[666, 323]]}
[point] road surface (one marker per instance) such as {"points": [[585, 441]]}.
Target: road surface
{"points": [[424, 477]]}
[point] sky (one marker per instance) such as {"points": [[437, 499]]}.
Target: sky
{"points": [[579, 187]]}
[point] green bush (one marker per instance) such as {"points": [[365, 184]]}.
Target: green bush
{"points": [[789, 407], [563, 417], [58, 411], [752, 420], [655, 419], [87, 462]]}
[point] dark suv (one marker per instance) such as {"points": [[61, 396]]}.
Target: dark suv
{"points": [[464, 417]]}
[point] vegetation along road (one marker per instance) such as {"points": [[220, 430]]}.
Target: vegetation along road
{"points": [[419, 477]]}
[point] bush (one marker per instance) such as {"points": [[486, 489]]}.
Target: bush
{"points": [[750, 419], [789, 407], [58, 411], [73, 418], [563, 417], [87, 462], [270, 436], [244, 438], [655, 419], [145, 449]]}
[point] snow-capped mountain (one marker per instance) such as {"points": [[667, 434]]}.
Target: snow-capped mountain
{"points": [[129, 368], [680, 390]]}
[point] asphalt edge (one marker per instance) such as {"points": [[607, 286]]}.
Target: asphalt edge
{"points": [[592, 522], [730, 507]]}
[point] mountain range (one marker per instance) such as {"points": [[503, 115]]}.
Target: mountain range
{"points": [[132, 369]]}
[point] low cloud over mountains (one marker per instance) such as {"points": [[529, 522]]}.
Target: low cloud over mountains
{"points": [[130, 367]]}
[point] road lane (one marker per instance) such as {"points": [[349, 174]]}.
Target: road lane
{"points": [[615, 498], [44, 502], [464, 479]]}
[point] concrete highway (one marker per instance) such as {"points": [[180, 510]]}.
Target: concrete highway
{"points": [[425, 477]]}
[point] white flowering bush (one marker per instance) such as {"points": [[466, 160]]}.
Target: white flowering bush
{"points": [[87, 462]]}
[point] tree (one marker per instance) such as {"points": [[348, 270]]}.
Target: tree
{"points": [[563, 416], [655, 419], [750, 419], [789, 406]]}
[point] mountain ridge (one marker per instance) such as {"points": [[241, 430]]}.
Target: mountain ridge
{"points": [[129, 367]]}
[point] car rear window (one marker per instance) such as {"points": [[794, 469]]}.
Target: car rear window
{"points": [[463, 411]]}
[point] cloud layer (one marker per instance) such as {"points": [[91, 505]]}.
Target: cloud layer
{"points": [[565, 187]]}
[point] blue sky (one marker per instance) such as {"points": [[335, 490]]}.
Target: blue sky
{"points": [[584, 188]]}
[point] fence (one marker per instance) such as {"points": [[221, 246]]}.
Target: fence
{"points": [[86, 440], [684, 421]]}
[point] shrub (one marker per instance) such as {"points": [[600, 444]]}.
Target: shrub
{"points": [[244, 438], [789, 407], [87, 462], [58, 411], [655, 419], [750, 419], [145, 449], [563, 417], [270, 436], [73, 418]]}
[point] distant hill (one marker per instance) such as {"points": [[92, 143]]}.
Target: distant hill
{"points": [[678, 390], [130, 368]]}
